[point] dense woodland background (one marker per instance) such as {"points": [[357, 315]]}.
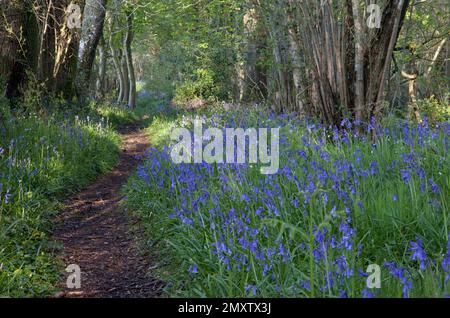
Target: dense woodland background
{"points": [[318, 58]]}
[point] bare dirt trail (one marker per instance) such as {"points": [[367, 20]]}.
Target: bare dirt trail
{"points": [[95, 234]]}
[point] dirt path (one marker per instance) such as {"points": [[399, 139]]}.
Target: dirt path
{"points": [[95, 235]]}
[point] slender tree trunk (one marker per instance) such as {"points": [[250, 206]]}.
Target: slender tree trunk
{"points": [[249, 78], [126, 78], [119, 72], [239, 83], [280, 93], [294, 51], [47, 50], [129, 61], [447, 63], [380, 56], [100, 84], [115, 57], [92, 28], [359, 62], [412, 91]]}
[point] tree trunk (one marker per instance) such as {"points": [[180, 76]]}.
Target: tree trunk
{"points": [[100, 83], [66, 47], [46, 57], [281, 87], [115, 57], [294, 46], [18, 46], [92, 28], [380, 54], [126, 78], [359, 62], [119, 73], [413, 108], [67, 69], [249, 78], [129, 61], [349, 62]]}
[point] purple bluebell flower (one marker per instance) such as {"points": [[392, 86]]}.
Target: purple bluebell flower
{"points": [[346, 123], [418, 253], [335, 134], [359, 249], [434, 187], [329, 282], [250, 289], [343, 294], [253, 247], [254, 232], [406, 176], [302, 154], [311, 187], [325, 197], [193, 269], [325, 156], [373, 167], [342, 266], [408, 157], [266, 269], [186, 220], [333, 212], [420, 173], [401, 274], [245, 198], [347, 235], [347, 210], [304, 284], [422, 187], [362, 273], [259, 211], [361, 206], [7, 196], [407, 285], [284, 253], [357, 155]]}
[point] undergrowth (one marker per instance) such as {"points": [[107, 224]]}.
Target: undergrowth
{"points": [[44, 156]]}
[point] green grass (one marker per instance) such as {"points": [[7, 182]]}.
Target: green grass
{"points": [[116, 115], [385, 213], [44, 158]]}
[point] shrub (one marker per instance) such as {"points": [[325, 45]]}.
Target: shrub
{"points": [[201, 88], [435, 110]]}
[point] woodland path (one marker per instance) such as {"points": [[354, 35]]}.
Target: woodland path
{"points": [[95, 234]]}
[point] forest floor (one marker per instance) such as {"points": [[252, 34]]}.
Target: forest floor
{"points": [[95, 233]]}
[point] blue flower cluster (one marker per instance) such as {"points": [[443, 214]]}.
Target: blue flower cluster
{"points": [[307, 230]]}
